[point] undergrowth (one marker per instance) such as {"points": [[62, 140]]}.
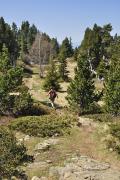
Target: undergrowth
{"points": [[42, 126]]}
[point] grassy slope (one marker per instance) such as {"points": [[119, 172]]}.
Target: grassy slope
{"points": [[35, 86], [85, 140], [81, 141]]}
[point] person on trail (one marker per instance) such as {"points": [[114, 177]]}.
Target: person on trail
{"points": [[52, 95]]}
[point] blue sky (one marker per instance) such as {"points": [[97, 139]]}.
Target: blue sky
{"points": [[61, 18]]}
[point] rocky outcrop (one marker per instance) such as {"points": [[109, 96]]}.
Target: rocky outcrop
{"points": [[83, 167]]}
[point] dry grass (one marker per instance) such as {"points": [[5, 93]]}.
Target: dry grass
{"points": [[99, 84], [35, 84], [82, 141]]}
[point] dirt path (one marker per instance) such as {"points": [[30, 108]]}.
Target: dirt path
{"points": [[79, 156], [4, 120], [35, 85]]}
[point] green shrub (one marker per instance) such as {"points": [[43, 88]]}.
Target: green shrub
{"points": [[47, 125], [14, 96], [23, 102], [115, 130], [52, 78], [114, 141], [103, 117], [12, 154]]}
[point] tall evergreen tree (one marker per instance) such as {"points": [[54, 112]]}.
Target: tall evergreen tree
{"points": [[15, 30], [65, 52], [11, 82], [112, 86], [54, 48], [76, 52], [102, 69], [63, 67], [52, 78], [81, 89], [7, 37], [97, 41], [66, 48], [26, 36]]}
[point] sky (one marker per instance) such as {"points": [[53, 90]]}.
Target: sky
{"points": [[61, 18]]}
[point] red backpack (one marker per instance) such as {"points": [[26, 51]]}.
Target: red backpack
{"points": [[53, 94]]}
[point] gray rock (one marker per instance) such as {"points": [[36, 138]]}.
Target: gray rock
{"points": [[40, 164], [45, 145], [43, 178], [26, 138], [87, 122], [42, 146], [84, 168], [49, 161], [35, 178]]}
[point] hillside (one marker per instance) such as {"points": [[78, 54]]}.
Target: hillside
{"points": [[81, 155], [76, 138], [35, 84]]}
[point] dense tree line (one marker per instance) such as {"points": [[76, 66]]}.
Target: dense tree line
{"points": [[97, 44], [99, 54]]}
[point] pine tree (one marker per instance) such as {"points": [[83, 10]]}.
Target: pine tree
{"points": [[102, 69], [66, 48], [54, 48], [81, 89], [52, 78], [4, 60], [97, 41], [112, 86], [65, 52], [10, 83], [7, 37], [63, 67], [75, 55]]}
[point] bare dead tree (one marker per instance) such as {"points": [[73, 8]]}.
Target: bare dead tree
{"points": [[40, 52]]}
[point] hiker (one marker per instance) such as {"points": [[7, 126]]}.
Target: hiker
{"points": [[52, 95]]}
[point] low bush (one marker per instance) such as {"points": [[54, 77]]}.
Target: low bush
{"points": [[114, 141], [92, 109], [23, 102], [103, 117], [12, 154], [115, 130], [47, 125]]}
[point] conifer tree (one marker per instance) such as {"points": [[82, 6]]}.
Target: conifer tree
{"points": [[10, 83], [7, 37], [52, 78], [102, 69], [63, 67], [97, 41], [54, 48], [75, 55], [66, 48], [65, 52], [112, 84], [81, 89]]}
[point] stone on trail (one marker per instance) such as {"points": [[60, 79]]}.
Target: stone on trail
{"points": [[82, 121], [45, 145], [37, 178]]}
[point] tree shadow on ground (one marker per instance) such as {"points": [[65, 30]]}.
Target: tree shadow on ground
{"points": [[62, 91], [48, 104]]}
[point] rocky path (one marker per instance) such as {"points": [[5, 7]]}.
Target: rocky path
{"points": [[76, 166], [83, 167]]}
